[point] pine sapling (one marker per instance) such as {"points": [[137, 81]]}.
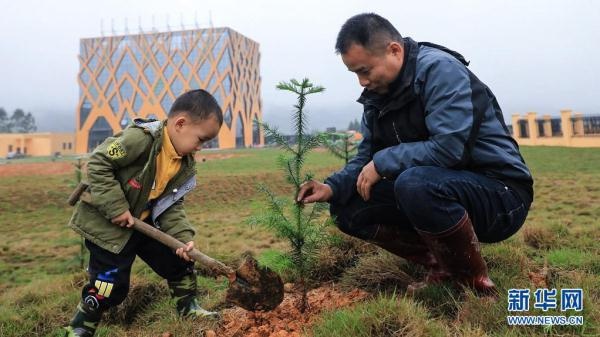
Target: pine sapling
{"points": [[298, 224]]}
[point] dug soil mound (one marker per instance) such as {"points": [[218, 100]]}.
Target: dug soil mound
{"points": [[286, 320]]}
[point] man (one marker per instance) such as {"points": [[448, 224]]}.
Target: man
{"points": [[437, 170]]}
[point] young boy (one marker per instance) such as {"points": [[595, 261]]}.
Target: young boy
{"points": [[143, 171]]}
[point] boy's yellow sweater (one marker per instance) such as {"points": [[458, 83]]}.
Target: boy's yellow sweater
{"points": [[168, 163]]}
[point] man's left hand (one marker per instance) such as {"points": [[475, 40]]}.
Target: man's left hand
{"points": [[182, 252], [366, 179]]}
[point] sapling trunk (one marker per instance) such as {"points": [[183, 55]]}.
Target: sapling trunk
{"points": [[295, 225]]}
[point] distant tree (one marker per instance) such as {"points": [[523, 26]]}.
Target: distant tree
{"points": [[354, 125], [4, 122], [20, 122], [341, 145], [30, 123]]}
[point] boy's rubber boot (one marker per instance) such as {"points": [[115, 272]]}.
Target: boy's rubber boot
{"points": [[84, 322], [184, 293], [457, 250], [410, 246]]}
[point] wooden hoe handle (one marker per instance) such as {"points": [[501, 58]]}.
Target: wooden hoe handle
{"points": [[175, 244]]}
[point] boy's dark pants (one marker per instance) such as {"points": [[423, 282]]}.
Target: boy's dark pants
{"points": [[109, 273], [432, 200]]}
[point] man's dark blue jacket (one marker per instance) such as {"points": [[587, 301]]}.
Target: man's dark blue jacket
{"points": [[436, 113]]}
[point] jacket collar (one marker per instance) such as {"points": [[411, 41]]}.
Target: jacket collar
{"points": [[151, 126]]}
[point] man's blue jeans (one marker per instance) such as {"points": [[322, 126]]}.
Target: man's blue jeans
{"points": [[433, 199]]}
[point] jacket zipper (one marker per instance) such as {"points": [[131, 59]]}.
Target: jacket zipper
{"points": [[396, 132]]}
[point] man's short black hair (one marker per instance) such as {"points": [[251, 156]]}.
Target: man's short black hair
{"points": [[199, 104], [369, 30]]}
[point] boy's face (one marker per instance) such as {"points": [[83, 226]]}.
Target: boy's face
{"points": [[188, 136]]}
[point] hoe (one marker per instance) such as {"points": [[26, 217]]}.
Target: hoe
{"points": [[250, 286]]}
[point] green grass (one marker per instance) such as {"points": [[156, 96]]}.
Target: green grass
{"points": [[381, 316], [40, 280], [254, 161], [39, 159]]}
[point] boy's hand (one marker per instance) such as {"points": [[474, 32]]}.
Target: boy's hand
{"points": [[123, 220], [182, 252]]}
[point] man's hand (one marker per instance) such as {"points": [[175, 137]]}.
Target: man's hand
{"points": [[314, 191], [182, 252], [366, 179], [123, 220]]}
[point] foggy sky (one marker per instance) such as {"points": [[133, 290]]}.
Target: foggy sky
{"points": [[535, 55]]}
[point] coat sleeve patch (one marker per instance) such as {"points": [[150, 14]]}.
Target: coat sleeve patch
{"points": [[115, 150]]}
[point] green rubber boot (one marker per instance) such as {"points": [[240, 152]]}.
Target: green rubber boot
{"points": [[84, 322], [184, 293]]}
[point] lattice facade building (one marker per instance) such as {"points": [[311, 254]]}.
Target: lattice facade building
{"points": [[140, 75]]}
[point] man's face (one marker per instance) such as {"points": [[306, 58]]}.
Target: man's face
{"points": [[188, 136], [375, 69]]}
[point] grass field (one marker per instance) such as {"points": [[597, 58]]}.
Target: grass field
{"points": [[559, 247]]}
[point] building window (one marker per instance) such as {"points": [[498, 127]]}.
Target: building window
{"points": [[212, 144], [192, 56], [160, 58], [177, 86], [212, 82], [217, 47], [70, 146], [126, 66], [126, 91], [255, 132], [177, 57], [102, 77], [168, 72], [204, 70], [158, 88], [10, 148], [225, 62], [239, 132], [64, 146], [227, 85], [125, 120], [24, 150], [227, 117], [137, 103], [166, 103], [84, 111], [114, 104], [149, 72], [98, 133], [218, 98], [185, 70]]}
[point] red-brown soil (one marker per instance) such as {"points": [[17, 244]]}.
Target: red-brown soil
{"points": [[28, 169], [54, 168], [286, 320]]}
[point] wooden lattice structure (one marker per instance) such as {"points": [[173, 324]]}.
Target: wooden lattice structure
{"points": [[140, 75]]}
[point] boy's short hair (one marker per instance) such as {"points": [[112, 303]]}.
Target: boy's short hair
{"points": [[198, 104]]}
